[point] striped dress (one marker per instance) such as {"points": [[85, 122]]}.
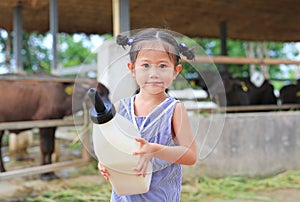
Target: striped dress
{"points": [[155, 128]]}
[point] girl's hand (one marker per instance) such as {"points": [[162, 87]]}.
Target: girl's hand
{"points": [[103, 172], [146, 152]]}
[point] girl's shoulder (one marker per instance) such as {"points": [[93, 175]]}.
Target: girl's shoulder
{"points": [[179, 111], [179, 106], [123, 103]]}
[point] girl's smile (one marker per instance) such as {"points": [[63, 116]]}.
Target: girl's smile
{"points": [[154, 83]]}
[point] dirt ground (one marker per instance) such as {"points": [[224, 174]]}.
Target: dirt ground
{"points": [[18, 189]]}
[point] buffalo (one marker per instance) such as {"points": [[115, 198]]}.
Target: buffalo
{"points": [[227, 90], [290, 94], [27, 100], [263, 95]]}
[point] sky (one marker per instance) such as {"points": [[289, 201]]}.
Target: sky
{"points": [[289, 48]]}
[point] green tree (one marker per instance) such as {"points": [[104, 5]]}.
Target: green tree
{"points": [[74, 51], [5, 49], [36, 56], [235, 48]]}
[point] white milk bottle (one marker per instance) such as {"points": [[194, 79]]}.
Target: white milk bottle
{"points": [[114, 143]]}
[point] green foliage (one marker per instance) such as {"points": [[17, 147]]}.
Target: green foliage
{"points": [[235, 48], [74, 52], [35, 53], [78, 193]]}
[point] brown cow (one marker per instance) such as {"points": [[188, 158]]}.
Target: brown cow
{"points": [[40, 100]]}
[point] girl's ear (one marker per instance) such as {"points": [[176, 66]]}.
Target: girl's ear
{"points": [[131, 68], [178, 69]]}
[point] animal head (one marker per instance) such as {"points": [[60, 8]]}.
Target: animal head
{"points": [[80, 96]]}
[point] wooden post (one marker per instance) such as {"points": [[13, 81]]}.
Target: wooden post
{"points": [[17, 40], [54, 30], [124, 15], [223, 38], [86, 140], [121, 18]]}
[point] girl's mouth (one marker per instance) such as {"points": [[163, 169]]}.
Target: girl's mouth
{"points": [[154, 83]]}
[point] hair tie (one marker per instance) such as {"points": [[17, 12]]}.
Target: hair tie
{"points": [[188, 53], [124, 40], [130, 41], [182, 45]]}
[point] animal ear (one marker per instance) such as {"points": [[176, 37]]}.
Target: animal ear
{"points": [[69, 90]]}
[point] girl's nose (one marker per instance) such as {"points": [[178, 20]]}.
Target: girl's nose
{"points": [[153, 73]]}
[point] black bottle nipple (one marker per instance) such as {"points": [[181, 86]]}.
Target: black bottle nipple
{"points": [[103, 111]]}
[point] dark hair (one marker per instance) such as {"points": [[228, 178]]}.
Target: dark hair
{"points": [[168, 42]]}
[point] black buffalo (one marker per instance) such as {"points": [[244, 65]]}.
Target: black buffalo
{"points": [[290, 94], [227, 90], [27, 100]]}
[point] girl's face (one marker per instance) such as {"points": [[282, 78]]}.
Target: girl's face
{"points": [[154, 70]]}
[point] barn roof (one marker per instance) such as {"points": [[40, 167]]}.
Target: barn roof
{"points": [[270, 20]]}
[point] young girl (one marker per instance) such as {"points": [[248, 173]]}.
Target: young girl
{"points": [[167, 140]]}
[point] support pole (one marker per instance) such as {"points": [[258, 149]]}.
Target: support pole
{"points": [[223, 38], [53, 31], [121, 16], [17, 39]]}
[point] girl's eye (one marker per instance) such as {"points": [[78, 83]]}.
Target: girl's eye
{"points": [[162, 66], [145, 65]]}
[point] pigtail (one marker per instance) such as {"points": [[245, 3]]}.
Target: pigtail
{"points": [[124, 40], [187, 52], [155, 34]]}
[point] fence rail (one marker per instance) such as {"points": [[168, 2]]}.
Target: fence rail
{"points": [[51, 167], [243, 60], [39, 124], [30, 78], [41, 169], [245, 108], [261, 108]]}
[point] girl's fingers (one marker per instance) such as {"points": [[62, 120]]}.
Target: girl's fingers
{"points": [[144, 168], [105, 175], [99, 166], [142, 171], [140, 140], [135, 153], [141, 168], [103, 171], [140, 164]]}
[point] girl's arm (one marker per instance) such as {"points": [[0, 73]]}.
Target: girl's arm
{"points": [[185, 153]]}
